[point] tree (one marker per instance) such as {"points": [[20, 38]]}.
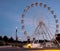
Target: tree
{"points": [[5, 38], [1, 38], [11, 40]]}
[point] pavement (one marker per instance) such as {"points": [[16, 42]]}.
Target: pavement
{"points": [[5, 46]]}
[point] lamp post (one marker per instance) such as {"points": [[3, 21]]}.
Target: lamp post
{"points": [[16, 36]]}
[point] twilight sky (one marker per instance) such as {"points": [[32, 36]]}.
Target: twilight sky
{"points": [[11, 11]]}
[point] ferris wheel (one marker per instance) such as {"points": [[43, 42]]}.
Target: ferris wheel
{"points": [[40, 21]]}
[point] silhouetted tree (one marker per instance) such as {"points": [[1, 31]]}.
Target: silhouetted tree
{"points": [[1, 38], [5, 38], [11, 40]]}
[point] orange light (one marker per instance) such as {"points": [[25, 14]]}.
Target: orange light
{"points": [[51, 50]]}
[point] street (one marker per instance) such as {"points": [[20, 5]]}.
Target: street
{"points": [[24, 49]]}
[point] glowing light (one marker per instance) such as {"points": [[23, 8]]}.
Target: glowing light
{"points": [[16, 27], [50, 50]]}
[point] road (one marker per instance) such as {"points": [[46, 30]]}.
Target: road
{"points": [[23, 49]]}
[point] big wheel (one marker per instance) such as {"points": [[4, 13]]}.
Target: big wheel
{"points": [[40, 21]]}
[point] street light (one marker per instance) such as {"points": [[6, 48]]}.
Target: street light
{"points": [[16, 35]]}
